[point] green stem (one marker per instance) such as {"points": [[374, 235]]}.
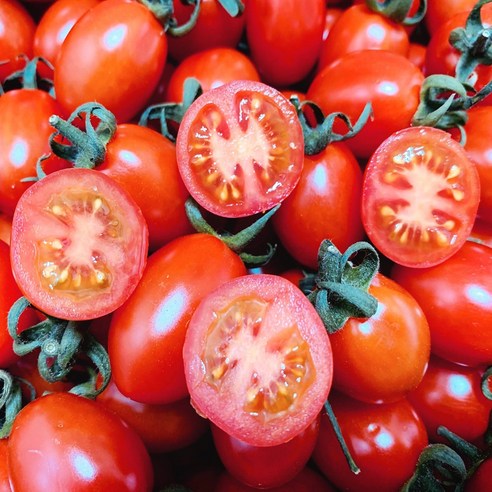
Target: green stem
{"points": [[399, 10]]}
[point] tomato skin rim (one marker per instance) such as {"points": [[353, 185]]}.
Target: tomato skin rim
{"points": [[27, 278], [227, 92], [233, 419]]}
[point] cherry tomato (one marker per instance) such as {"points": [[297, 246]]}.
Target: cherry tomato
{"points": [[102, 59], [240, 148], [456, 297], [5, 228], [420, 197], [324, 204], [480, 480], [147, 333], [285, 51], [482, 232], [258, 361], [387, 80], [385, 441], [416, 54], [77, 444], [79, 244], [440, 11], [4, 471]]}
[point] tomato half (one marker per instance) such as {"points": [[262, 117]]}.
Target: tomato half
{"points": [[420, 197], [258, 360], [79, 244], [240, 148]]}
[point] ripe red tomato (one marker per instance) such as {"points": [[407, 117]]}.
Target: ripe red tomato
{"points": [[284, 51], [385, 441], [77, 444], [480, 480], [147, 333], [420, 197], [5, 228], [440, 11], [258, 361], [324, 204], [102, 59], [267, 466], [79, 244], [387, 80], [456, 297], [4, 471], [240, 148], [451, 395]]}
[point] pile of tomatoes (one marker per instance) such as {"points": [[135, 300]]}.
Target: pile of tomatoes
{"points": [[245, 245]]}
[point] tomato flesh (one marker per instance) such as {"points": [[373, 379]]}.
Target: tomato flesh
{"points": [[240, 148], [79, 244], [258, 360]]}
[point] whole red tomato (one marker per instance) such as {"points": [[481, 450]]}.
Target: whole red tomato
{"points": [[69, 442]]}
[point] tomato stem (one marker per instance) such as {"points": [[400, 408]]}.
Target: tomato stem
{"points": [[163, 10], [28, 75], [486, 383], [399, 10], [234, 8], [10, 402]]}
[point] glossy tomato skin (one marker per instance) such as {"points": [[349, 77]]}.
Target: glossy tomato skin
{"points": [[266, 467], [451, 395], [4, 471], [394, 343], [439, 12], [24, 138], [284, 51], [385, 441], [455, 297], [258, 360], [388, 80], [324, 204], [93, 448], [143, 162], [102, 59], [147, 333], [5, 228], [480, 481]]}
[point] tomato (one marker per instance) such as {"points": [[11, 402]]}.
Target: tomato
{"points": [[5, 228], [4, 472], [284, 51], [24, 138], [16, 36], [361, 28], [385, 441], [324, 204], [79, 244], [387, 80], [482, 232], [102, 59], [451, 395], [72, 443], [162, 428], [416, 54], [53, 27], [212, 68], [147, 333], [480, 480], [456, 297], [214, 28], [240, 148], [420, 197], [440, 11], [258, 361], [266, 467]]}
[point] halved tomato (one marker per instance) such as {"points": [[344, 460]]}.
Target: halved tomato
{"points": [[240, 148], [420, 197], [258, 360], [79, 244]]}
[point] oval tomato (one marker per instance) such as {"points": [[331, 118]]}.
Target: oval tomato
{"points": [[92, 448], [258, 360], [4, 471], [440, 11], [420, 197], [79, 244], [147, 333], [240, 148]]}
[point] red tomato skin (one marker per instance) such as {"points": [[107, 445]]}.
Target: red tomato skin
{"points": [[439, 12], [143, 162], [284, 51], [5, 228], [388, 81], [379, 437], [24, 138], [459, 313], [451, 395], [4, 471], [78, 445], [102, 59], [325, 204], [481, 480], [394, 343], [147, 333]]}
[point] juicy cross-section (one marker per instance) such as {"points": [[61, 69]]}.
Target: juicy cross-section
{"points": [[272, 369]]}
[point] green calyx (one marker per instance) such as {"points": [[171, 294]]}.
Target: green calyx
{"points": [[10, 402], [28, 76], [399, 10]]}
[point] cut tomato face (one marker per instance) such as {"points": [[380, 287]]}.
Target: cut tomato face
{"points": [[420, 197], [240, 148], [79, 244], [258, 360]]}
